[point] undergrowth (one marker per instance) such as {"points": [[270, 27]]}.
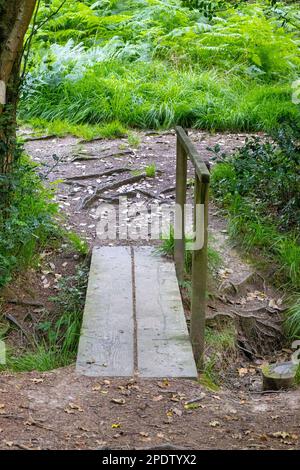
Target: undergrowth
{"points": [[59, 336], [259, 186], [27, 223], [153, 64], [167, 248]]}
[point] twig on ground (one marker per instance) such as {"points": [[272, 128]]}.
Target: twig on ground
{"points": [[98, 175], [89, 200]]}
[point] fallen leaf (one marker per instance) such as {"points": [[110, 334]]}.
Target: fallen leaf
{"points": [[116, 425], [273, 304], [118, 401], [9, 443], [73, 406], [280, 434], [101, 443], [96, 388], [177, 412], [243, 371], [163, 384], [214, 424], [158, 398], [37, 381], [192, 406]]}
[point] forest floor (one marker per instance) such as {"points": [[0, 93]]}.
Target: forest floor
{"points": [[61, 410]]}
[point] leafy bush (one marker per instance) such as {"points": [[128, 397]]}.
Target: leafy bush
{"points": [[266, 176], [260, 186], [27, 222]]}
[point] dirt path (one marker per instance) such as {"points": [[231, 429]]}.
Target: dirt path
{"points": [[60, 410]]}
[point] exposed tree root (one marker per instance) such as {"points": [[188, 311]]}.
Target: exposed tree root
{"points": [[253, 278], [90, 176], [114, 198], [97, 156], [89, 200], [13, 320], [95, 139], [36, 138], [29, 303]]}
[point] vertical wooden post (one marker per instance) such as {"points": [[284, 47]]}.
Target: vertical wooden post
{"points": [[199, 278], [179, 231]]}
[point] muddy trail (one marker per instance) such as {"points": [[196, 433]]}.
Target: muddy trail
{"points": [[59, 410]]}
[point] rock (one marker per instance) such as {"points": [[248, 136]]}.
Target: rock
{"points": [[279, 376]]}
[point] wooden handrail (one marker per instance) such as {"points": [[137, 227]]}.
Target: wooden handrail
{"points": [[186, 150], [192, 153]]}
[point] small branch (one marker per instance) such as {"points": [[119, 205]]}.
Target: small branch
{"points": [[98, 175], [29, 303], [96, 156], [89, 200], [13, 320]]}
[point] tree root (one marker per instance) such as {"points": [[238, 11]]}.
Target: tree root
{"points": [[96, 156], [114, 198], [26, 303], [89, 176], [95, 139], [89, 200], [13, 320], [36, 138]]}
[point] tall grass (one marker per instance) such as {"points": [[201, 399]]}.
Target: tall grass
{"points": [[155, 64], [156, 96]]}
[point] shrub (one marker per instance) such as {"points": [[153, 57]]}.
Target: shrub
{"points": [[27, 223], [260, 186]]}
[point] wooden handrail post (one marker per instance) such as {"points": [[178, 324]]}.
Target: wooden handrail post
{"points": [[199, 277], [179, 230]]}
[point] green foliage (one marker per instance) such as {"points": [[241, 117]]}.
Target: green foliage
{"points": [[221, 339], [27, 223], [150, 170], [134, 140], [265, 175], [292, 321], [209, 378], [111, 130], [260, 187], [80, 245], [167, 248], [153, 64], [59, 345]]}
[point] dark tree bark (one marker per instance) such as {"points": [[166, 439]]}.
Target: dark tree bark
{"points": [[15, 16]]}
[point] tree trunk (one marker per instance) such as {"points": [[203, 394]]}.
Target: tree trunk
{"points": [[15, 16]]}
